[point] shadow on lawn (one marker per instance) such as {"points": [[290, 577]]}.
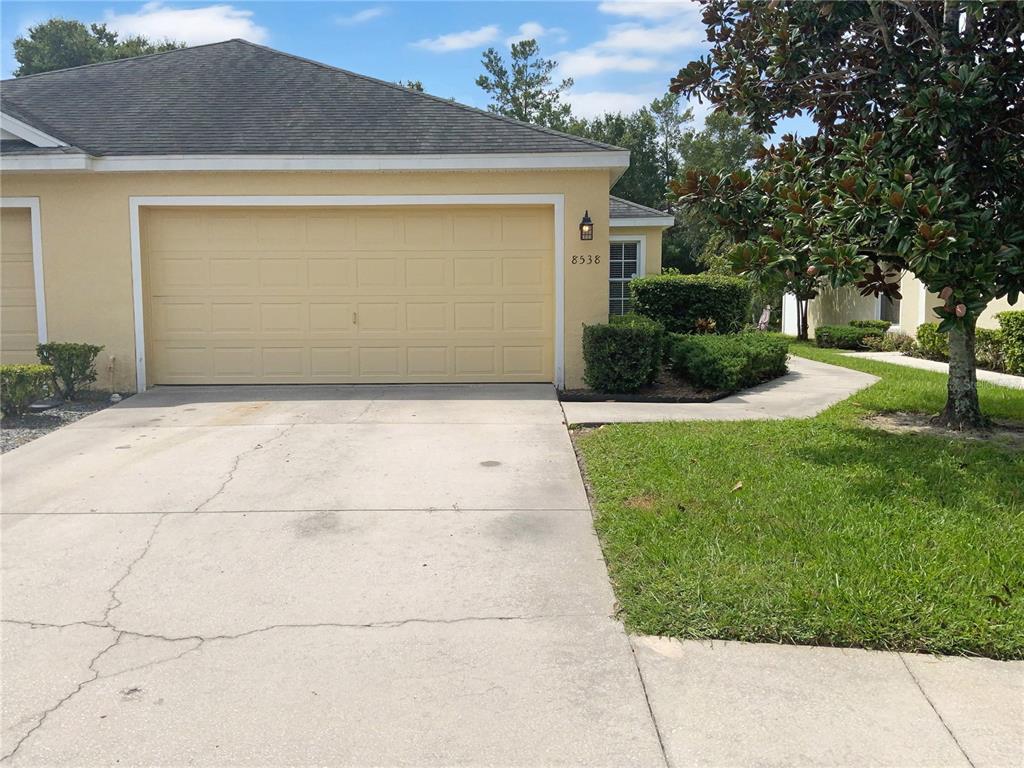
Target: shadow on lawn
{"points": [[928, 469]]}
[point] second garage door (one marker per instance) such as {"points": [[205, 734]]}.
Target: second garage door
{"points": [[281, 295]]}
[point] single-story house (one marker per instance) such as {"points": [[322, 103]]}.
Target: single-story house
{"points": [[231, 214], [840, 306]]}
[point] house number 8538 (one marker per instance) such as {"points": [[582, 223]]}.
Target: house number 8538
{"points": [[588, 259]]}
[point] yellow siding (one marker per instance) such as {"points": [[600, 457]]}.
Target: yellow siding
{"points": [[86, 240], [279, 295], [19, 332]]}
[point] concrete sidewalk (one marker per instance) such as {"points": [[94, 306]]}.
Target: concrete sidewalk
{"points": [[809, 388], [740, 704], [898, 358]]}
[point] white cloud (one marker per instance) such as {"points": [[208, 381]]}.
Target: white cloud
{"points": [[656, 39], [596, 103], [195, 26], [360, 17], [459, 41], [532, 30], [652, 9], [587, 61]]}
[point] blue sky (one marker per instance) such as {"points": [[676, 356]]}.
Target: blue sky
{"points": [[620, 54]]}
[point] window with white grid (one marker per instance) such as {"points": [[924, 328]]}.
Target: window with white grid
{"points": [[623, 266]]}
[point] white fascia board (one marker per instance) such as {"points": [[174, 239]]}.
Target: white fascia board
{"points": [[462, 162], [27, 133], [650, 221], [55, 162]]}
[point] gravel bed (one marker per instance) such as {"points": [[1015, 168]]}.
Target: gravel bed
{"points": [[18, 430]]}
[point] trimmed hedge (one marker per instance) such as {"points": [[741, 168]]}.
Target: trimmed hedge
{"points": [[622, 355], [988, 348], [1012, 325], [845, 336], [686, 303], [730, 361], [21, 385], [74, 365], [931, 343], [882, 325], [892, 342]]}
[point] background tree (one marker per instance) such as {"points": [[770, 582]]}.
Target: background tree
{"points": [[669, 121], [637, 132], [412, 85], [724, 144], [62, 43], [523, 88], [918, 161]]}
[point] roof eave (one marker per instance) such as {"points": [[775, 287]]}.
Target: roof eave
{"points": [[662, 222], [616, 161]]}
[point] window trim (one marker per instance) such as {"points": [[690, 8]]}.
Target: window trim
{"points": [[641, 257]]}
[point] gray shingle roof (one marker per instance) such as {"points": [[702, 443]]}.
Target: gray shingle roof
{"points": [[236, 97], [624, 209]]}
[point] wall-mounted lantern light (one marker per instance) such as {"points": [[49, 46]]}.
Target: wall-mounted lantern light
{"points": [[586, 227]]}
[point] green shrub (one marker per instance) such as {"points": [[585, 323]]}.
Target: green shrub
{"points": [[21, 385], [1012, 325], [932, 344], [633, 320], [622, 355], [693, 303], [891, 342], [74, 365], [844, 336], [881, 325], [730, 361], [988, 348]]}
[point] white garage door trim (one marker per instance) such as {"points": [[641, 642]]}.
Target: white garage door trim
{"points": [[557, 202], [32, 203]]}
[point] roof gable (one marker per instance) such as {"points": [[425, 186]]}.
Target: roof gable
{"points": [[237, 98]]}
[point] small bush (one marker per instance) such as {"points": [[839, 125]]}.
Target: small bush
{"points": [[988, 348], [932, 344], [74, 365], [891, 342], [1012, 325], [881, 325], [731, 361], [623, 355], [22, 385], [844, 336], [693, 303]]}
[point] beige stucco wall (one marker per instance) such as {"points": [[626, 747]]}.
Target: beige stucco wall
{"points": [[840, 306], [652, 253], [86, 241]]}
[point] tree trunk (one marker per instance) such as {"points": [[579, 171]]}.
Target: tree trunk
{"points": [[801, 319], [962, 409]]}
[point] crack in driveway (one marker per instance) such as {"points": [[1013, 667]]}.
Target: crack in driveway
{"points": [[201, 640], [238, 462]]}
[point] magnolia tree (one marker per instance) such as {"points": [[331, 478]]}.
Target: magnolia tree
{"points": [[917, 164]]}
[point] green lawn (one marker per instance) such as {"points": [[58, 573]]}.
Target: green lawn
{"points": [[839, 535]]}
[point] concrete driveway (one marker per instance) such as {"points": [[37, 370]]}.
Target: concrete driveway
{"points": [[312, 575]]}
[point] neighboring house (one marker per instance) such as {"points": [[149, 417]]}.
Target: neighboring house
{"points": [[840, 306], [233, 214]]}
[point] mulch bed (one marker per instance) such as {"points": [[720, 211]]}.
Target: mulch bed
{"points": [[18, 430], [667, 388]]}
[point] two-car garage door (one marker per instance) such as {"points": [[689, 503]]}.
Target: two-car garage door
{"points": [[282, 295]]}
